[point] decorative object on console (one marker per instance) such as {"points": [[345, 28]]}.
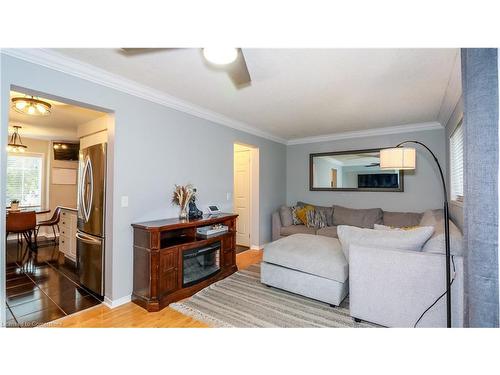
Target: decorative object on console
{"points": [[211, 230], [404, 158], [213, 210], [194, 212], [181, 197]]}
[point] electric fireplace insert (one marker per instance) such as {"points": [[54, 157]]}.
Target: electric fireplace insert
{"points": [[200, 263]]}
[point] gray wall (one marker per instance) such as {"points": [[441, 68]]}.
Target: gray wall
{"points": [[422, 186], [155, 147]]}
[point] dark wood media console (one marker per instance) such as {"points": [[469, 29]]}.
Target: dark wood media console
{"points": [[160, 251]]}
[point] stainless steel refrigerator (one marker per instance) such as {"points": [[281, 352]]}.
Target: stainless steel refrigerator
{"points": [[91, 217]]}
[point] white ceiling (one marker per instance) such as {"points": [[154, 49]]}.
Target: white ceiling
{"points": [[299, 93], [61, 124]]}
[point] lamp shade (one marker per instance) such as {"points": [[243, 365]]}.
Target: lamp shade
{"points": [[398, 158]]}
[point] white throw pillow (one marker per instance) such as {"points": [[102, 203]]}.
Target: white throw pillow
{"points": [[384, 239], [387, 227]]}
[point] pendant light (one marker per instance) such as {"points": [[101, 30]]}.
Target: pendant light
{"points": [[15, 144], [31, 106]]}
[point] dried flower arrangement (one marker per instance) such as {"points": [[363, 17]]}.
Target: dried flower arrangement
{"points": [[181, 197]]}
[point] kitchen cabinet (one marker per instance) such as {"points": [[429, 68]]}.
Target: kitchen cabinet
{"points": [[67, 233]]}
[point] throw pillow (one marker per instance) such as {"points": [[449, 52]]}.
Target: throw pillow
{"points": [[295, 218], [301, 213], [327, 210], [383, 239], [388, 227], [316, 219], [286, 216], [436, 244], [310, 214]]}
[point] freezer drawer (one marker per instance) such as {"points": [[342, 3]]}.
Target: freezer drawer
{"points": [[90, 252]]}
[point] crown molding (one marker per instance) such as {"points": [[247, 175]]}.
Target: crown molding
{"points": [[368, 133], [453, 91], [64, 64]]}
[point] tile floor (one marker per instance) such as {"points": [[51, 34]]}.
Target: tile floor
{"points": [[41, 286]]}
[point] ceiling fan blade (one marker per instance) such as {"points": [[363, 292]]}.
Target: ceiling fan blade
{"points": [[238, 71]]}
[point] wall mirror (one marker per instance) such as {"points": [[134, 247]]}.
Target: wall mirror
{"points": [[357, 170]]}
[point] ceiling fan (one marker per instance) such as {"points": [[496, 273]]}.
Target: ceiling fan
{"points": [[230, 60]]}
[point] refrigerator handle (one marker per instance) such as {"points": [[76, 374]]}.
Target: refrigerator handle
{"points": [[87, 239], [91, 201], [87, 173]]}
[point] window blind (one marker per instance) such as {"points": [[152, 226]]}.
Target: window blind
{"points": [[24, 180], [457, 163]]}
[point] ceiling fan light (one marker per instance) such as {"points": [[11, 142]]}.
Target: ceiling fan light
{"points": [[220, 56]]}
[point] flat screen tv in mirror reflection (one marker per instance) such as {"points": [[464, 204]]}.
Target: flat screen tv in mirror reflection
{"points": [[357, 170]]}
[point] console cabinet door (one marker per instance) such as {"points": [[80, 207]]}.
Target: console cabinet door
{"points": [[168, 271], [228, 251]]}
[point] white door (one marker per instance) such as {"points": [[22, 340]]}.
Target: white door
{"points": [[242, 196]]}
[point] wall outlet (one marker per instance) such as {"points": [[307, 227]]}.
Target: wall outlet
{"points": [[228, 197], [124, 201]]}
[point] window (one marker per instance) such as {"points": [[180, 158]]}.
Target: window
{"points": [[457, 163], [24, 179]]}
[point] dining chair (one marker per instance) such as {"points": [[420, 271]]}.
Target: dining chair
{"points": [[52, 222], [23, 223]]}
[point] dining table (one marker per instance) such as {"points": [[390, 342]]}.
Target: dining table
{"points": [[38, 210]]}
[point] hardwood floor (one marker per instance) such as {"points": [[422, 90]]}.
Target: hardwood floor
{"points": [[131, 315]]}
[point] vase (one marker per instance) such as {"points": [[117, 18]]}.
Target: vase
{"points": [[183, 214]]}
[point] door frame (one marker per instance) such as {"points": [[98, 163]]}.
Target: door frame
{"points": [[254, 192], [4, 125]]}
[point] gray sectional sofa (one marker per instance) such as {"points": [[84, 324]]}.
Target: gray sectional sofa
{"points": [[282, 223], [388, 286]]}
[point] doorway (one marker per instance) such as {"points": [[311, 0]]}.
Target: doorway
{"points": [[246, 196], [43, 278]]}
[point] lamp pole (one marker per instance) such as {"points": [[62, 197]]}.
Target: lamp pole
{"points": [[446, 232]]}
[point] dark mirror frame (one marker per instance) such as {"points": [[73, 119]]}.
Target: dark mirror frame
{"points": [[312, 188]]}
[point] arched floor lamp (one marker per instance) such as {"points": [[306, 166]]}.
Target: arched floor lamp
{"points": [[404, 158]]}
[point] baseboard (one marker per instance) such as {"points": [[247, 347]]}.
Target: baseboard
{"points": [[117, 302], [257, 247]]}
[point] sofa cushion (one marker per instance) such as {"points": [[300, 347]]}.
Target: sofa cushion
{"points": [[386, 239], [316, 255], [328, 211], [363, 218], [286, 216], [328, 231], [294, 229], [401, 219], [436, 244]]}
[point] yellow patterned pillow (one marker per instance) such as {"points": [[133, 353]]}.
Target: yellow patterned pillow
{"points": [[301, 213]]}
